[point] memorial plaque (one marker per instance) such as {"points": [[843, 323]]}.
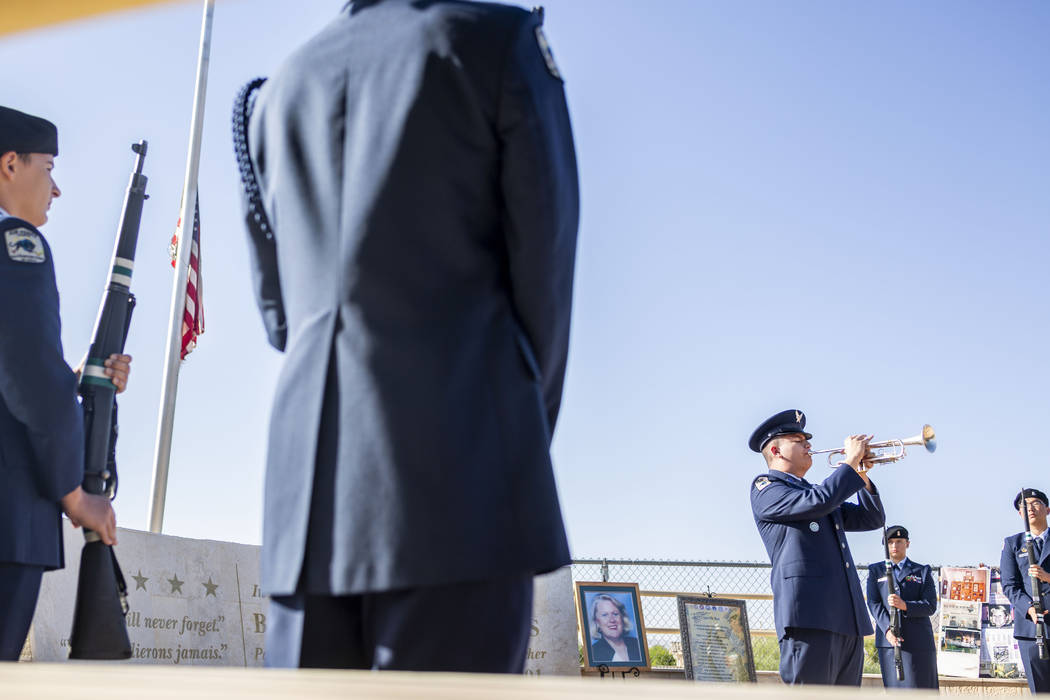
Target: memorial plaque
{"points": [[194, 602], [552, 640], [716, 641], [198, 602]]}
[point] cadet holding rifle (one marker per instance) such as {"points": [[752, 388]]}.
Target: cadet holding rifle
{"points": [[902, 595], [1023, 562], [41, 426]]}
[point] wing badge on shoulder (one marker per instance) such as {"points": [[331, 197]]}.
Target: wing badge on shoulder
{"points": [[24, 246]]}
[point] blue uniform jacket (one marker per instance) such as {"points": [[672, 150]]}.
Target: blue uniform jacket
{"points": [[41, 428], [814, 579], [1017, 584], [416, 162], [918, 589]]}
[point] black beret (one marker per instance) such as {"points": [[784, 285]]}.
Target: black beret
{"points": [[24, 133], [1030, 493], [784, 423], [896, 531]]}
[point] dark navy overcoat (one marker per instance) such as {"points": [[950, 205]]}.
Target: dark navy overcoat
{"points": [[41, 427], [416, 162], [1017, 584], [803, 527]]}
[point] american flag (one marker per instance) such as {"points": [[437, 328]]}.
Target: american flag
{"points": [[193, 313]]}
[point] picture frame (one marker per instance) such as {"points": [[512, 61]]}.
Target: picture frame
{"points": [[716, 639], [611, 624]]}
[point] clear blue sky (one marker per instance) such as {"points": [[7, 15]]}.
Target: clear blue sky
{"points": [[839, 207]]}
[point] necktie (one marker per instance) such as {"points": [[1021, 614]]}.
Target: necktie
{"points": [[1037, 546]]}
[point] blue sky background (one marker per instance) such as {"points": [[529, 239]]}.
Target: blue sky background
{"points": [[839, 207]]}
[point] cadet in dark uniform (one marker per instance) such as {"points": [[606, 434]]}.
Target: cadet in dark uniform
{"points": [[818, 606], [41, 434], [415, 166], [916, 598], [1017, 585]]}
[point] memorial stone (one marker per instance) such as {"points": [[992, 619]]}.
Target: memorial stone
{"points": [[198, 602]]}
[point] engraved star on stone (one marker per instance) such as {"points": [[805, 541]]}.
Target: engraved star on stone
{"points": [[210, 588], [140, 581], [176, 584]]}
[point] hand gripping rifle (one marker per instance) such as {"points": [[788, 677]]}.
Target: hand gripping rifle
{"points": [[895, 614], [1037, 594], [99, 629]]}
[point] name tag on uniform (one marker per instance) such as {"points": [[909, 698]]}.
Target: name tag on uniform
{"points": [[880, 580]]}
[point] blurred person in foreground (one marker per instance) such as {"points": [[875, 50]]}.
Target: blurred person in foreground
{"points": [[41, 424], [412, 205]]}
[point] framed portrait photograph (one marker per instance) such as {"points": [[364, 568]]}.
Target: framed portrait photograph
{"points": [[716, 639], [611, 625]]}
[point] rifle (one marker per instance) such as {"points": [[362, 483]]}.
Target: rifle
{"points": [[1037, 594], [895, 614], [99, 628]]}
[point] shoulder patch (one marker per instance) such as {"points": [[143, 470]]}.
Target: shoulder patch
{"points": [[24, 245], [761, 482], [545, 51]]}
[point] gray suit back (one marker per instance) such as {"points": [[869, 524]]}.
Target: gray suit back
{"points": [[416, 162]]}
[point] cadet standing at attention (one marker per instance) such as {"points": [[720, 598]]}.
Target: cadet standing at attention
{"points": [[412, 207], [818, 606], [41, 429], [916, 598], [1017, 585]]}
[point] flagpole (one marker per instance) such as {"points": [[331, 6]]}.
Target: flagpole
{"points": [[169, 387]]}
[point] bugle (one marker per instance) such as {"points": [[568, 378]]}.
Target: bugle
{"points": [[895, 449]]}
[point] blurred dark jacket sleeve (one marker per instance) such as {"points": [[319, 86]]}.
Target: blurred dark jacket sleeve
{"points": [[541, 194]]}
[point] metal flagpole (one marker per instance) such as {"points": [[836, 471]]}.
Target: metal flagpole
{"points": [[169, 388]]}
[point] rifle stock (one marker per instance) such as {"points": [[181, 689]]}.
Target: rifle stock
{"points": [[99, 627]]}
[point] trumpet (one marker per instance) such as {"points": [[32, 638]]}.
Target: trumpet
{"points": [[895, 449]]}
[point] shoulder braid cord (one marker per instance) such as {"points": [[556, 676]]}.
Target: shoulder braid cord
{"points": [[255, 214]]}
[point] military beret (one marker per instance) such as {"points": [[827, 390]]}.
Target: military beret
{"points": [[784, 423], [24, 133], [896, 531], [1030, 493]]}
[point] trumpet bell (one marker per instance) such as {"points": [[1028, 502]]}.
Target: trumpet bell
{"points": [[927, 438]]}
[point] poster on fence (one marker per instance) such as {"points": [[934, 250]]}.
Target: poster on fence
{"points": [[964, 591], [1000, 656]]}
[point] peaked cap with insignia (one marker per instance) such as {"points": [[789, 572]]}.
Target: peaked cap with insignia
{"points": [[24, 133], [896, 531], [1030, 493], [784, 423]]}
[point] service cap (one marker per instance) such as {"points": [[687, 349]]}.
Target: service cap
{"points": [[783, 423], [896, 531], [24, 133], [1030, 493]]}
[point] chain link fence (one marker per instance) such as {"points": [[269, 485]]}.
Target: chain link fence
{"points": [[660, 581]]}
